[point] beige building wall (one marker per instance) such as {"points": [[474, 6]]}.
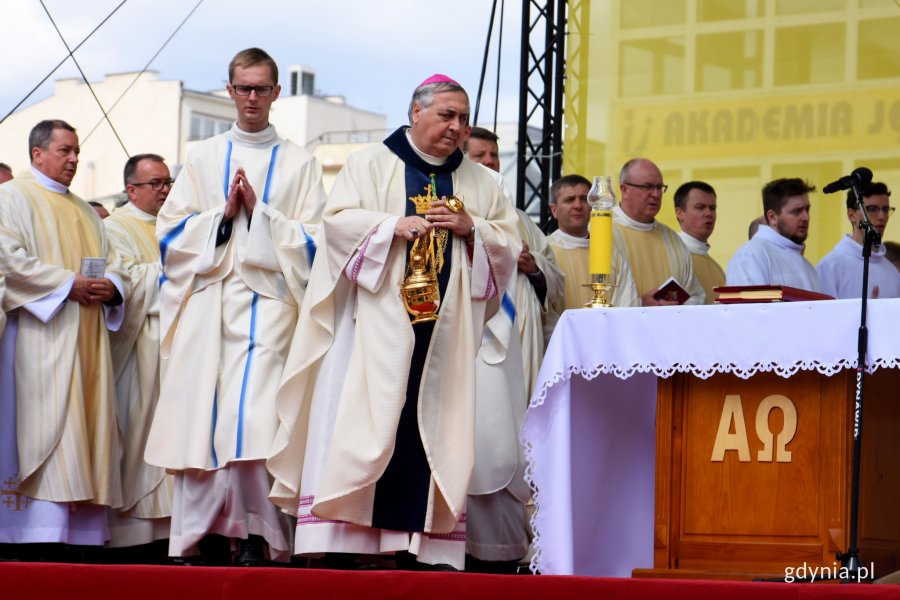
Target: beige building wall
{"points": [[737, 93], [160, 116], [146, 119]]}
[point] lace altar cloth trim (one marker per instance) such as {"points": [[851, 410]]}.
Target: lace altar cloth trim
{"points": [[743, 339]]}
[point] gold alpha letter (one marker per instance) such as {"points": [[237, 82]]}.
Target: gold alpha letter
{"points": [[733, 410]]}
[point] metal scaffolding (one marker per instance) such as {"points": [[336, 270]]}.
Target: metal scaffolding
{"points": [[541, 85]]}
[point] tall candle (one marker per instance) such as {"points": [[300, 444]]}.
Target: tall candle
{"points": [[601, 242], [602, 199]]}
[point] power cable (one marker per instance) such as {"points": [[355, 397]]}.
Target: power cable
{"points": [[144, 70], [487, 49], [84, 78], [499, 55], [41, 82]]}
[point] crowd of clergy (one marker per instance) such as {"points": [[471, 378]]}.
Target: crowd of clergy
{"points": [[234, 367]]}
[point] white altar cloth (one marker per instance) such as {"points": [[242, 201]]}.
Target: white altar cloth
{"points": [[589, 434]]}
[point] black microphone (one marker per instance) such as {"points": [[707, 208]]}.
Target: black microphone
{"points": [[860, 177]]}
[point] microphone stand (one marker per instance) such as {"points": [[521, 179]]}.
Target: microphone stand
{"points": [[850, 558], [850, 565]]}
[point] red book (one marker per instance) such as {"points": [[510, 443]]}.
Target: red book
{"points": [[737, 294], [671, 290]]}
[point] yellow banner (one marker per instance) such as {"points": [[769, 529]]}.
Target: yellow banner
{"points": [[756, 126]]}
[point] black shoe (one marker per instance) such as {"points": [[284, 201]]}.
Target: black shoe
{"points": [[340, 561], [250, 552], [215, 550], [498, 567], [407, 562], [189, 561]]}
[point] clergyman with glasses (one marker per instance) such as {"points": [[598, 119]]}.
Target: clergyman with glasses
{"points": [[146, 490], [840, 271], [655, 251], [237, 241]]}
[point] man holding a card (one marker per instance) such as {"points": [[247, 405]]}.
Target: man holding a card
{"points": [[58, 436], [660, 262]]}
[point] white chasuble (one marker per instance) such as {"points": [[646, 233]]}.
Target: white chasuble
{"points": [[512, 347], [60, 441], [349, 367], [573, 257], [655, 253], [708, 272], [531, 313], [146, 489], [228, 311]]}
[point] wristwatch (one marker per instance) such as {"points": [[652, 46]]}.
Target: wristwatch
{"points": [[471, 233]]}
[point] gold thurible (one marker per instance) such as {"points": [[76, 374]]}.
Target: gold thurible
{"points": [[420, 291]]}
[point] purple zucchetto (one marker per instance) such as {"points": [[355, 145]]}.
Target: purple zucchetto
{"points": [[438, 78]]}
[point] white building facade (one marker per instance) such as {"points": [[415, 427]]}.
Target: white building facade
{"points": [[160, 116]]}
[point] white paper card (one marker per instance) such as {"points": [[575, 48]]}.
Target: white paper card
{"points": [[93, 267]]}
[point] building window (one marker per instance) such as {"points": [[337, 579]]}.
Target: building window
{"points": [[652, 13], [879, 49], [203, 127], [810, 54], [651, 67], [800, 7], [729, 61], [307, 84], [726, 10]]}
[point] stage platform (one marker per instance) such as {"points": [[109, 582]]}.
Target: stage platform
{"points": [[106, 582]]}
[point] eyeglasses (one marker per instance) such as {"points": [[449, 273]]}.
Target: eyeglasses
{"points": [[648, 187], [874, 210], [261, 90], [156, 184]]}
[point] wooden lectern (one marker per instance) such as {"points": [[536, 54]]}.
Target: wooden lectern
{"points": [[753, 475], [713, 441]]}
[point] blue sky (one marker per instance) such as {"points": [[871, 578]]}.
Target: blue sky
{"points": [[372, 52]]}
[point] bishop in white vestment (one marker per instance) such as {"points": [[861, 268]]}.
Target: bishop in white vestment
{"points": [[376, 444]]}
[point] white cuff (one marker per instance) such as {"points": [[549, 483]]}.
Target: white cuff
{"points": [[368, 265], [47, 307], [115, 314]]}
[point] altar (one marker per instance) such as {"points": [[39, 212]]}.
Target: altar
{"points": [[712, 440]]}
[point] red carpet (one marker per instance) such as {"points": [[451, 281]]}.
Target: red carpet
{"points": [[101, 582]]}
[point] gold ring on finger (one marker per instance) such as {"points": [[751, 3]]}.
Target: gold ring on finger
{"points": [[455, 204]]}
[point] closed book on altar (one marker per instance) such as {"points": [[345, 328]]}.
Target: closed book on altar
{"points": [[736, 294], [671, 291]]}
